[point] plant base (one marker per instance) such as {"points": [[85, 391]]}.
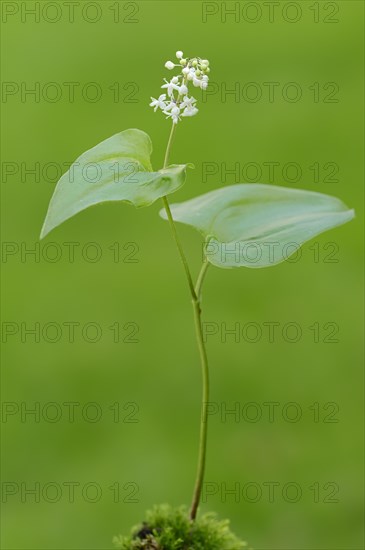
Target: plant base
{"points": [[166, 528]]}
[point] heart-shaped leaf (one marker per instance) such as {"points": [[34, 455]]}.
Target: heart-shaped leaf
{"points": [[258, 225], [117, 169]]}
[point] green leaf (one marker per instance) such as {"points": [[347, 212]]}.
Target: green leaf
{"points": [[257, 225], [117, 169]]}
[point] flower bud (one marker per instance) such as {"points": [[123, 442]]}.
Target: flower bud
{"points": [[169, 65], [183, 62], [179, 54]]}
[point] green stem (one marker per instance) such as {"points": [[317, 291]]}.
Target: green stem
{"points": [[200, 281], [205, 395], [196, 299], [179, 247], [169, 145], [171, 221]]}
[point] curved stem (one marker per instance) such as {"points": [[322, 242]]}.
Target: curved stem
{"points": [[205, 394], [196, 298], [179, 247], [171, 220]]}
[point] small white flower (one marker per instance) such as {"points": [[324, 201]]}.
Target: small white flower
{"points": [[188, 102], [170, 86], [169, 106], [169, 65], [191, 73], [179, 54], [183, 90], [204, 84], [196, 82], [189, 111], [185, 71], [174, 114], [158, 103]]}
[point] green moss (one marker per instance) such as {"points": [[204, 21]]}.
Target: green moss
{"points": [[166, 528]]}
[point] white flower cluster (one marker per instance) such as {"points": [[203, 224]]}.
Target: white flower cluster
{"points": [[176, 103]]}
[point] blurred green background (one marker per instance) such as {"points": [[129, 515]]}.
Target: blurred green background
{"points": [[156, 380]]}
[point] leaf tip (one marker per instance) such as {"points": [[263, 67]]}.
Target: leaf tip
{"points": [[46, 227], [44, 232]]}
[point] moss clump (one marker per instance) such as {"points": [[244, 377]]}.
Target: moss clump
{"points": [[166, 528]]}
